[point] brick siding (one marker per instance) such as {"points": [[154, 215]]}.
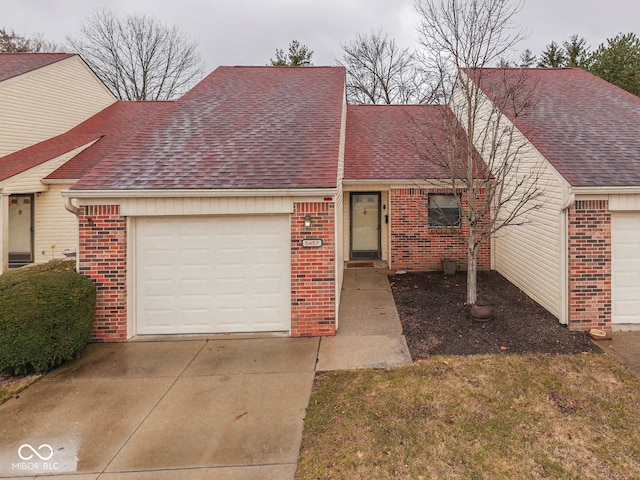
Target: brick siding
{"points": [[415, 245], [313, 294], [102, 256], [590, 265]]}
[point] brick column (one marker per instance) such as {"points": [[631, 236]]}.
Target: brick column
{"points": [[313, 300], [590, 265], [102, 256]]}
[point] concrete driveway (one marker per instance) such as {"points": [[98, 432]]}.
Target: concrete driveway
{"points": [[196, 409], [230, 408]]}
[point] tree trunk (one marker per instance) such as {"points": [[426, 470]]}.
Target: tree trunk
{"points": [[472, 268]]}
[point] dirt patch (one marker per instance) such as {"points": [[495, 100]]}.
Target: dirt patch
{"points": [[436, 320]]}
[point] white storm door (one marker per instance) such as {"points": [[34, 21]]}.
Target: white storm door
{"points": [[365, 225]]}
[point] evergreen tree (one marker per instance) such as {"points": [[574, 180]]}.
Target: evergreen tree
{"points": [[553, 56], [576, 52], [618, 62], [527, 59], [298, 56]]}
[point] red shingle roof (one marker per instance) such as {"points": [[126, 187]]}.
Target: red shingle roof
{"points": [[241, 127], [14, 64], [394, 142], [586, 127], [112, 126]]}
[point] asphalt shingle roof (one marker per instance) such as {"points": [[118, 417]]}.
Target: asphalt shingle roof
{"points": [[14, 64], [398, 142], [587, 128], [111, 127], [239, 128]]}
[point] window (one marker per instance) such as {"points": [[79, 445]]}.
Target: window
{"points": [[443, 211]]}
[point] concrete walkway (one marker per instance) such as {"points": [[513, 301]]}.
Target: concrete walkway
{"points": [[227, 408], [369, 329]]}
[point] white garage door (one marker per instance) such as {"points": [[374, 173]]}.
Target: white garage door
{"points": [[625, 268], [212, 274]]}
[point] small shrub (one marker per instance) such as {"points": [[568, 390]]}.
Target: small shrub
{"points": [[46, 317]]}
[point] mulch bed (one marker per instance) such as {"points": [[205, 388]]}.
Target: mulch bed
{"points": [[436, 320]]}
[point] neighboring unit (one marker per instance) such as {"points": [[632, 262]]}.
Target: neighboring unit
{"points": [[579, 257], [41, 97]]}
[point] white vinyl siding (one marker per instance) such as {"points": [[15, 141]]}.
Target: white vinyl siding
{"points": [[48, 101], [54, 225], [212, 274], [198, 205], [339, 243], [530, 255]]}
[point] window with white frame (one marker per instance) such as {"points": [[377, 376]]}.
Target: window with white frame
{"points": [[444, 210]]}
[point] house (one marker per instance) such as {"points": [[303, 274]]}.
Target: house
{"points": [[41, 97], [236, 209], [579, 256], [220, 215]]}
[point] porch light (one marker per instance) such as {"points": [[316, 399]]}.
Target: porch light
{"points": [[307, 220]]}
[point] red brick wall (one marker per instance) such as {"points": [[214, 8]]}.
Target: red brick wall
{"points": [[102, 256], [313, 295], [590, 265], [416, 246]]}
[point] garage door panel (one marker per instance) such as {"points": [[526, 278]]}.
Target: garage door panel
{"points": [[625, 267], [212, 274]]}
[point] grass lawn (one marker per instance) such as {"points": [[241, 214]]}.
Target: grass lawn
{"points": [[476, 417], [12, 386]]}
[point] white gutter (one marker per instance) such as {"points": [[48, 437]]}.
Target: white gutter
{"points": [[194, 193], [632, 190], [438, 183]]}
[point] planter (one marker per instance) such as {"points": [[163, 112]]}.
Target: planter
{"points": [[480, 311], [449, 266]]}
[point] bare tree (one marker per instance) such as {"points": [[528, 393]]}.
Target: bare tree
{"points": [[11, 42], [379, 72], [138, 57], [461, 39]]}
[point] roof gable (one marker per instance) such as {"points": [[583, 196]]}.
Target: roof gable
{"points": [[587, 128], [14, 64], [112, 126], [239, 128]]}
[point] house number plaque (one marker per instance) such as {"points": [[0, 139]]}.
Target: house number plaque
{"points": [[312, 242]]}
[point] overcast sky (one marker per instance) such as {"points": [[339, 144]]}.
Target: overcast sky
{"points": [[247, 32]]}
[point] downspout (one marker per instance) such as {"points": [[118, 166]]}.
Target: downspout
{"points": [[71, 207], [569, 201]]}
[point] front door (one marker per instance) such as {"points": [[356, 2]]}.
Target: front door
{"points": [[20, 230], [365, 225]]}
